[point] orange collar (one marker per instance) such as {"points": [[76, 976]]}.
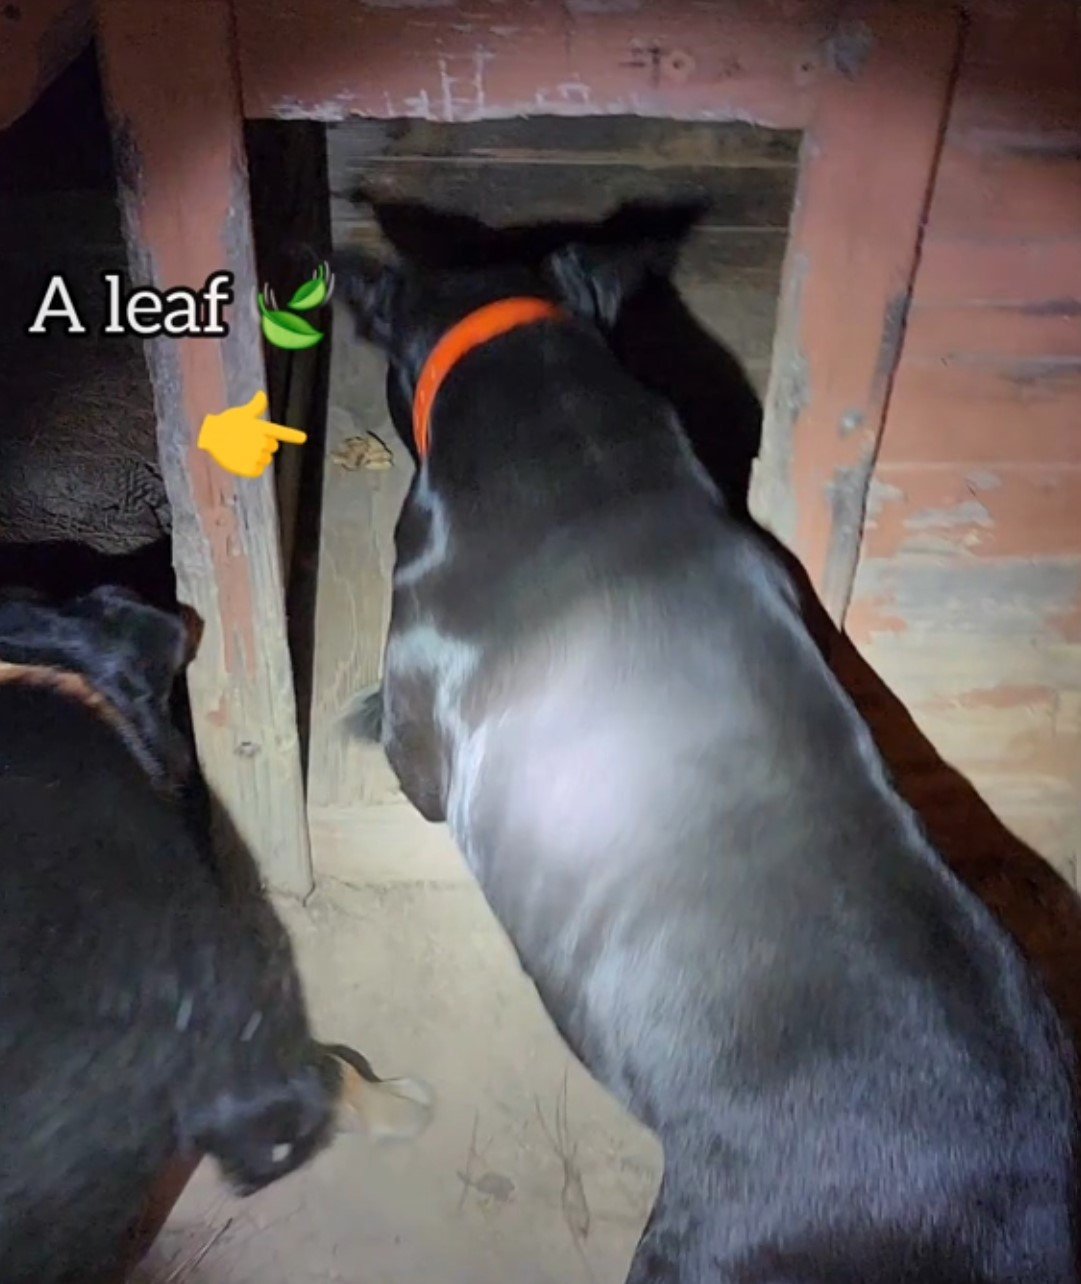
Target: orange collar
{"points": [[477, 328]]}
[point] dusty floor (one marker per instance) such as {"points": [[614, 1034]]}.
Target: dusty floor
{"points": [[529, 1172]]}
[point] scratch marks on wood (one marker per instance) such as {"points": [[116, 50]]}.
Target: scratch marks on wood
{"points": [[573, 1199], [461, 85], [328, 60], [490, 1188]]}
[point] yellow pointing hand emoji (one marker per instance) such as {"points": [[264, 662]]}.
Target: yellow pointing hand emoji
{"points": [[242, 441]]}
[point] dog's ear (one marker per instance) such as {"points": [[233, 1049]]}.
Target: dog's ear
{"points": [[595, 281], [153, 644], [371, 289]]}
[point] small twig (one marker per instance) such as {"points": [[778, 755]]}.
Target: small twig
{"points": [[190, 1263], [573, 1201], [466, 1177]]}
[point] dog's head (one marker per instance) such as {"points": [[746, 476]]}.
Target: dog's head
{"points": [[405, 309], [129, 653]]}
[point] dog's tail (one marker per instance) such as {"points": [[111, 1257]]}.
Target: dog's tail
{"points": [[363, 717]]}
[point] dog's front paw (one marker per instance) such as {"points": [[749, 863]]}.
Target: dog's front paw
{"points": [[364, 719]]}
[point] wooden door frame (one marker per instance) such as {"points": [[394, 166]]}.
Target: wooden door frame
{"points": [[868, 83]]}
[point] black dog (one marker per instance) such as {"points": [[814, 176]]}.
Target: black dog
{"points": [[605, 684], [141, 1016]]}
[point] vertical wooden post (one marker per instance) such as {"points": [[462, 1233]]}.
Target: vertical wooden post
{"points": [[170, 77], [867, 169]]}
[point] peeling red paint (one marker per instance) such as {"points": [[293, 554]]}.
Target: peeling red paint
{"points": [[218, 716], [174, 103], [1003, 696], [859, 241], [868, 616], [187, 162], [979, 512]]}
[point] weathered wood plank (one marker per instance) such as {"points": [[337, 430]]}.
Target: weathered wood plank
{"points": [[1039, 277], [1005, 411], [184, 191], [929, 598], [968, 593], [987, 658], [978, 335], [738, 60], [979, 512], [733, 197], [847, 283], [356, 557], [710, 252], [1017, 194], [585, 140]]}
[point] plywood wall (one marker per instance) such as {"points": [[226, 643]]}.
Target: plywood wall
{"points": [[968, 591]]}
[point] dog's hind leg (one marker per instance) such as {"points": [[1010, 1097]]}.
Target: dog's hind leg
{"points": [[673, 1247]]}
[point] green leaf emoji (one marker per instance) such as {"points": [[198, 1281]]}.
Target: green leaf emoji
{"points": [[284, 330], [312, 293]]}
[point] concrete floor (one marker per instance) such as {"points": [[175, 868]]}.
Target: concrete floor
{"points": [[529, 1174]]}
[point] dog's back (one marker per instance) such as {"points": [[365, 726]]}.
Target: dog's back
{"points": [[741, 930]]}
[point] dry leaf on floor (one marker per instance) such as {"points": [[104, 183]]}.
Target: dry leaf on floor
{"points": [[363, 452]]}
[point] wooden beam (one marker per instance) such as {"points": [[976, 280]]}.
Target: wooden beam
{"points": [[749, 60], [869, 160], [169, 72]]}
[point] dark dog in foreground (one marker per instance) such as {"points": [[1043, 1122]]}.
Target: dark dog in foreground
{"points": [[141, 1015], [604, 683]]}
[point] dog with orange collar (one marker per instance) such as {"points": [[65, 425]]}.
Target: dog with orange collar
{"points": [[145, 1018], [604, 683]]}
